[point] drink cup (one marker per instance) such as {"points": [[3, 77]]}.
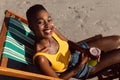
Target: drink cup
{"points": [[94, 53]]}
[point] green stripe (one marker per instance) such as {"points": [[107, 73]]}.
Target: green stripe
{"points": [[18, 23], [22, 26], [11, 52], [15, 48], [16, 58], [21, 30], [18, 33], [17, 28], [16, 55], [19, 45], [20, 38], [14, 37], [18, 50]]}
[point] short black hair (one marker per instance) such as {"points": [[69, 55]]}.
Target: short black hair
{"points": [[32, 12]]}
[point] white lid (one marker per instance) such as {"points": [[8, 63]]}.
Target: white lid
{"points": [[95, 51]]}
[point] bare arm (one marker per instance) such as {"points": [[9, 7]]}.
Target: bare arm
{"points": [[44, 65], [68, 74]]}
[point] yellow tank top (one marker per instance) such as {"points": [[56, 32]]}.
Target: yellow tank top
{"points": [[60, 60]]}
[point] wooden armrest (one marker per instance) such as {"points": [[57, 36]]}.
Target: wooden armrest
{"points": [[25, 75]]}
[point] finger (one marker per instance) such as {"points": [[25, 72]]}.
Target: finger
{"points": [[99, 59], [85, 60], [89, 58], [83, 55], [44, 50]]}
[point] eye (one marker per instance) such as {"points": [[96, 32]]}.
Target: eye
{"points": [[49, 19], [40, 22]]}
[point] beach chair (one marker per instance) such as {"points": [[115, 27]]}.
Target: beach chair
{"points": [[16, 50]]}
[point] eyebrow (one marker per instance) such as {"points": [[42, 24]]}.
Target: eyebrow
{"points": [[39, 19], [42, 18]]}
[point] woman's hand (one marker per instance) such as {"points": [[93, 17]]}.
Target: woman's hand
{"points": [[99, 58], [95, 53], [83, 59]]}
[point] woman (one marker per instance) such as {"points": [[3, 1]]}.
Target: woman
{"points": [[56, 54]]}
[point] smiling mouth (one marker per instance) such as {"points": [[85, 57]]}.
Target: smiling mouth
{"points": [[48, 31]]}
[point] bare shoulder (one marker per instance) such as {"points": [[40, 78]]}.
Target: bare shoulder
{"points": [[42, 62], [42, 59]]}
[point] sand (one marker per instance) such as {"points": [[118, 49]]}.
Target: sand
{"points": [[76, 19]]}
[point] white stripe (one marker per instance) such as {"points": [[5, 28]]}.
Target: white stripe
{"points": [[18, 23], [11, 51], [24, 26], [27, 39], [17, 58], [22, 47], [15, 54]]}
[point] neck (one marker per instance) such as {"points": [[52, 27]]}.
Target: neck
{"points": [[39, 39], [43, 41]]}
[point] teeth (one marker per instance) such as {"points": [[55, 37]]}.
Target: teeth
{"points": [[47, 31]]}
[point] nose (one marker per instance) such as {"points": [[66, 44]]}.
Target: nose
{"points": [[47, 24]]}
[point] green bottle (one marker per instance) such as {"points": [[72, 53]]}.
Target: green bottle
{"points": [[94, 53]]}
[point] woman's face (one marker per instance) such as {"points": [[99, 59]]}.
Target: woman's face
{"points": [[43, 25]]}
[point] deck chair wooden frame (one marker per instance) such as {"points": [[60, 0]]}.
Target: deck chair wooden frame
{"points": [[3, 61]]}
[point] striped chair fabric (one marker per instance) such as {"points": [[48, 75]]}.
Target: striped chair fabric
{"points": [[19, 42]]}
